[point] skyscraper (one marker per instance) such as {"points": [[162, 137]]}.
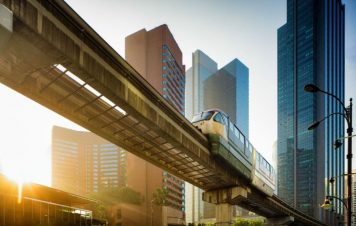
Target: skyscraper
{"points": [[202, 67], [228, 90], [156, 56], [208, 87], [310, 50], [83, 162]]}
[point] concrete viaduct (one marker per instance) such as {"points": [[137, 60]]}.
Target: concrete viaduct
{"points": [[51, 55]]}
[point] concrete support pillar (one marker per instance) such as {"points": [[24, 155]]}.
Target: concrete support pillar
{"points": [[279, 221], [223, 214], [223, 199]]}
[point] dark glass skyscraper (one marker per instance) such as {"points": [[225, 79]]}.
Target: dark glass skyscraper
{"points": [[228, 90], [310, 50]]}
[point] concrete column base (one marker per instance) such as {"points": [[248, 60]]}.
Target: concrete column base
{"points": [[223, 214], [222, 199], [279, 221]]}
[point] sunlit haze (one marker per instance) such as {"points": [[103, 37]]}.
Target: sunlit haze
{"points": [[26, 137], [224, 30]]}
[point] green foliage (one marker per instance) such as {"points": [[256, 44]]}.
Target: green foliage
{"points": [[99, 211], [201, 224], [248, 222], [110, 196], [238, 222], [160, 197]]}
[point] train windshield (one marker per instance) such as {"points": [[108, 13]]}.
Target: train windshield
{"points": [[206, 115]]}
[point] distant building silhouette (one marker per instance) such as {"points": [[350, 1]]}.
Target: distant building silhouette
{"points": [[310, 50], [83, 162]]}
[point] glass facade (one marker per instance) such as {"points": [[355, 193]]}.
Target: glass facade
{"points": [[228, 90], [173, 89], [83, 163], [155, 54], [173, 80], [202, 68], [241, 73], [105, 166], [207, 87], [65, 167], [34, 212], [310, 50]]}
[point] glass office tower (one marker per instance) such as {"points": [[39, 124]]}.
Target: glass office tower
{"points": [[228, 90], [202, 67], [310, 50], [207, 87]]}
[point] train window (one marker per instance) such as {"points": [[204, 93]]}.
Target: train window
{"points": [[202, 116], [236, 132], [242, 138], [218, 118], [224, 119]]}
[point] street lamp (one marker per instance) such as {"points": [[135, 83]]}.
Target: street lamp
{"points": [[338, 142], [328, 199], [347, 114]]}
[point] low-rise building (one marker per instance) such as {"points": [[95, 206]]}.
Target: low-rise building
{"points": [[33, 204]]}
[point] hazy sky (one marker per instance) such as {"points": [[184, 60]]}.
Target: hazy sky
{"points": [[224, 30]]}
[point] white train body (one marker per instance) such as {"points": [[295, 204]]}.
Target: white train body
{"points": [[229, 144]]}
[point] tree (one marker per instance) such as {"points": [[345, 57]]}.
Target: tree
{"points": [[248, 222], [99, 211], [201, 224], [160, 197], [111, 196]]}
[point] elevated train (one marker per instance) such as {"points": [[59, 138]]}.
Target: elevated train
{"points": [[230, 145]]}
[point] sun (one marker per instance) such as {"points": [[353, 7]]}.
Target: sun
{"points": [[25, 168]]}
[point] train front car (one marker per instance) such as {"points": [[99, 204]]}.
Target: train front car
{"points": [[227, 142], [231, 146]]}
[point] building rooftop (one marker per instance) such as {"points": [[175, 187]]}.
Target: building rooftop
{"points": [[43, 193]]}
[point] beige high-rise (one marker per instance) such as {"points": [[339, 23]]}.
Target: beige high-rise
{"points": [[156, 56]]}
